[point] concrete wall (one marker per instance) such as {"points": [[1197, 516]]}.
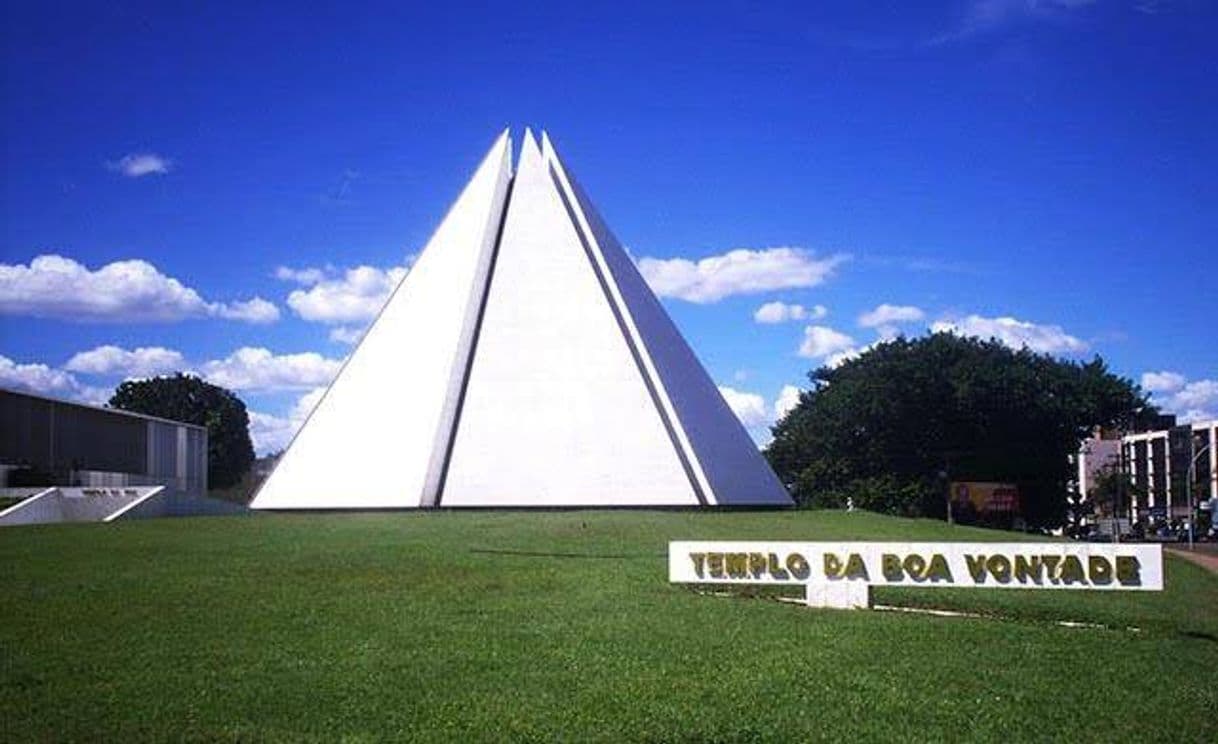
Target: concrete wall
{"points": [[171, 504], [39, 508], [113, 504]]}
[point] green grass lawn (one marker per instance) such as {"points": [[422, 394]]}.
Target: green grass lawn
{"points": [[561, 625]]}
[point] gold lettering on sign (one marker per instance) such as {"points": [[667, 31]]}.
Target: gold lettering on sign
{"points": [[738, 565], [1027, 569], [853, 569], [999, 567], [776, 569], [1024, 569], [976, 567], [1072, 570], [833, 566], [890, 566], [938, 570], [756, 564], [699, 560], [1099, 570], [856, 568], [1128, 570], [1053, 567], [798, 566], [915, 566]]}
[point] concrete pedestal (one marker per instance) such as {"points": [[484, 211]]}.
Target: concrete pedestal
{"points": [[841, 595]]}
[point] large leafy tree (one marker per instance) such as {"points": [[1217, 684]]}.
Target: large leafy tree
{"points": [[191, 400], [889, 428]]}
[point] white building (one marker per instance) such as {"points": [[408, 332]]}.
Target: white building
{"points": [[62, 461], [1149, 463], [1146, 459]]}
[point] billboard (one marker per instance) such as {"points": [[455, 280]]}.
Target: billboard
{"points": [[985, 498]]}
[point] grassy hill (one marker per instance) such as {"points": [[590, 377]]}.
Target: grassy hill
{"points": [[516, 625]]}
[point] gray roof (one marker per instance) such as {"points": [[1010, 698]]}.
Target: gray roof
{"points": [[105, 409]]}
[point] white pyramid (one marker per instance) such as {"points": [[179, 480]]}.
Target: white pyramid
{"points": [[522, 362]]}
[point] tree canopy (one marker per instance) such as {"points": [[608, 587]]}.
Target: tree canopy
{"points": [[891, 427], [189, 399]]}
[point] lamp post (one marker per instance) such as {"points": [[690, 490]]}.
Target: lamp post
{"points": [[1116, 495]]}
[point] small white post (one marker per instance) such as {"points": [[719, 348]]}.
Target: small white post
{"points": [[840, 595]]}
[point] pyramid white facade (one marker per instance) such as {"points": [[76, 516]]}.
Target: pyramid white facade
{"points": [[522, 362]]}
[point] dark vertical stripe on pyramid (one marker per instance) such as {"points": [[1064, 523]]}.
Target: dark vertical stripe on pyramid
{"points": [[734, 468], [634, 352], [473, 347], [395, 397]]}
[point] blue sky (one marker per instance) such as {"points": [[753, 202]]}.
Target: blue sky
{"points": [[204, 186]]}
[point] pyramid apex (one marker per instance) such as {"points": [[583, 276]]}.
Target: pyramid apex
{"points": [[547, 148], [528, 148], [502, 146]]}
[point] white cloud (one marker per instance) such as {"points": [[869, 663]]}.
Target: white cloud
{"points": [[274, 433], [256, 310], [1197, 394], [259, 369], [821, 341], [736, 272], [1050, 339], [781, 312], [270, 433], [246, 368], [53, 286], [357, 295], [1189, 400], [755, 414], [307, 402], [750, 408], [986, 16], [44, 380], [346, 335], [139, 164], [787, 399], [307, 276], [886, 316], [112, 360], [854, 352], [1162, 382]]}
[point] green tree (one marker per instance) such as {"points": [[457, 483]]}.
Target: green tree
{"points": [[189, 399], [911, 414]]}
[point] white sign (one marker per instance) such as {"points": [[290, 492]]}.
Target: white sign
{"points": [[838, 573]]}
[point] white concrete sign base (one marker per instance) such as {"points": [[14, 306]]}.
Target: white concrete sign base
{"points": [[851, 595]]}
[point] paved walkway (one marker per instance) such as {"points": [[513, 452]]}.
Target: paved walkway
{"points": [[1204, 558]]}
